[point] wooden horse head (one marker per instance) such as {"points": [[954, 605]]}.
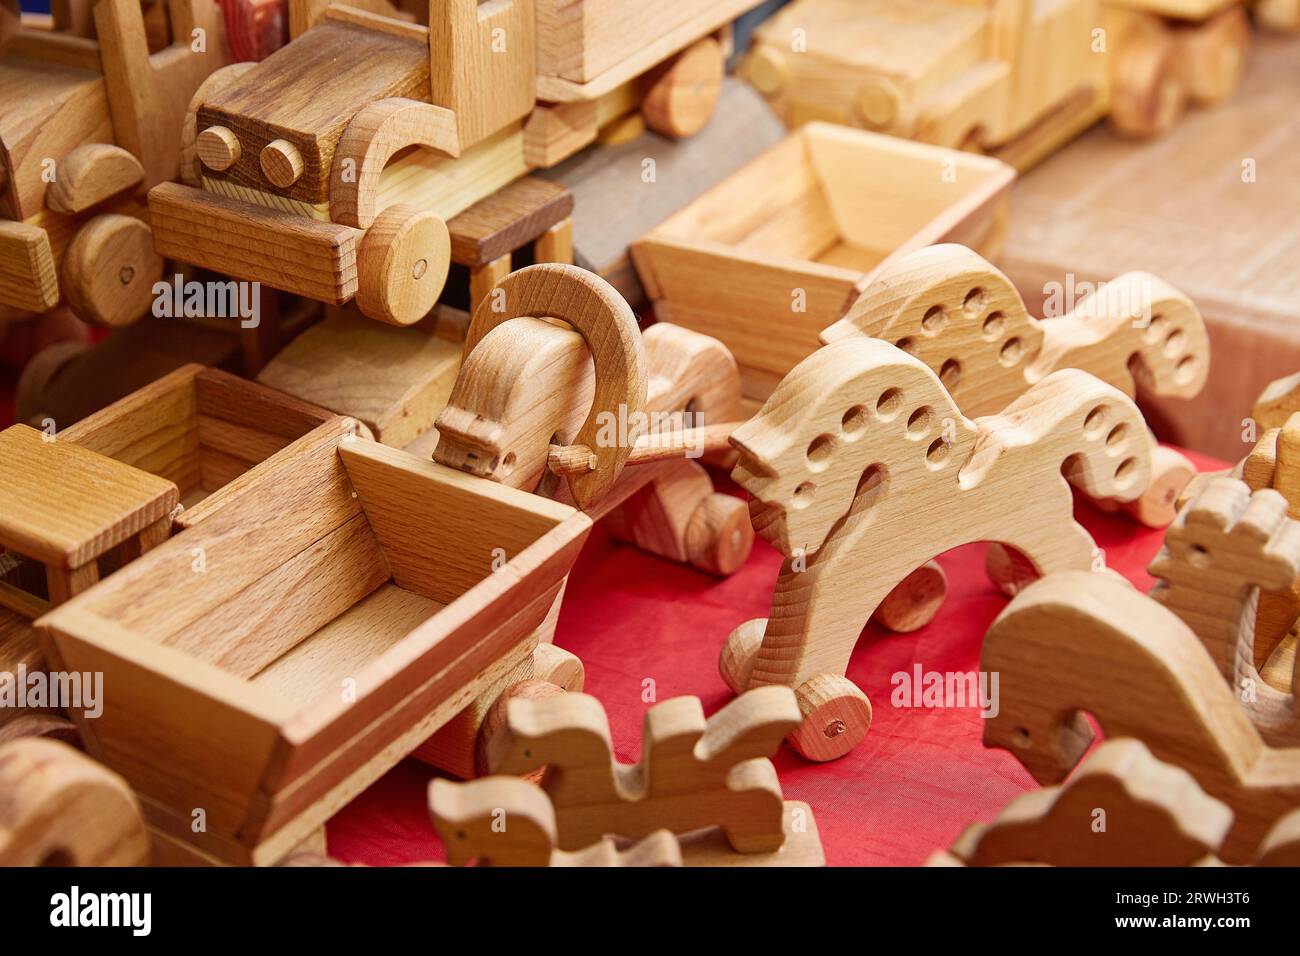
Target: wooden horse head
{"points": [[965, 320]]}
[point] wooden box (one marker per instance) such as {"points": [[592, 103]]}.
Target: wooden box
{"points": [[775, 253], [264, 666]]}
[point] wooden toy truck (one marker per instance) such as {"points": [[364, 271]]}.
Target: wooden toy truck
{"points": [[87, 125], [330, 168], [1014, 77]]}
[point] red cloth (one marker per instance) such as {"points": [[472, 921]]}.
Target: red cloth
{"points": [[910, 788]]}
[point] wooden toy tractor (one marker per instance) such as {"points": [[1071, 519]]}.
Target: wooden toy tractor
{"points": [[87, 125], [329, 169]]}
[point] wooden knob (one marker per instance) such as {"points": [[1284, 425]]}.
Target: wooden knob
{"points": [[218, 148], [281, 163]]}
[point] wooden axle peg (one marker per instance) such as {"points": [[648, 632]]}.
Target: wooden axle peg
{"points": [[565, 460]]}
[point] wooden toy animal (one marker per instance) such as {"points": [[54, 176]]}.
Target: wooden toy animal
{"points": [[88, 124], [329, 169], [1122, 807], [861, 468], [962, 317], [1074, 644], [693, 773], [61, 808], [527, 387], [506, 821], [1013, 77]]}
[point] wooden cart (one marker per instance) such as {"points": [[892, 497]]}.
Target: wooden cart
{"points": [[330, 168], [87, 125], [354, 600], [777, 252]]}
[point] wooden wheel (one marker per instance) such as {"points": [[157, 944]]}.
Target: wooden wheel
{"points": [[1214, 56], [1170, 473], [836, 717], [402, 265], [736, 660], [916, 600], [495, 719], [38, 373], [1010, 570], [766, 70], [680, 97], [1148, 91], [110, 269], [719, 536]]}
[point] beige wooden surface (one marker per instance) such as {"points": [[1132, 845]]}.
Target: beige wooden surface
{"points": [[1178, 207]]}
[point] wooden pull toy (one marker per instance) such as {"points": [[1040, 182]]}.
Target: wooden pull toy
{"points": [[91, 119], [1076, 643], [530, 392], [862, 445], [693, 774], [1122, 807], [505, 821], [60, 808], [963, 318]]}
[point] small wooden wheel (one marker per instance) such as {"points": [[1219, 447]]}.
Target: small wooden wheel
{"points": [[109, 271], [1214, 56], [766, 70], [1148, 94], [736, 660], [719, 535], [836, 717], [915, 601], [1010, 570], [882, 106], [41, 370], [680, 97], [495, 719], [1170, 473], [402, 265]]}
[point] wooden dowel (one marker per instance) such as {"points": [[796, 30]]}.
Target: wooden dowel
{"points": [[568, 460]]}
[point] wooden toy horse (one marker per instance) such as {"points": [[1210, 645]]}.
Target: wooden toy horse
{"points": [[861, 469], [60, 808], [506, 821], [1076, 643], [958, 314], [1226, 547], [693, 774]]}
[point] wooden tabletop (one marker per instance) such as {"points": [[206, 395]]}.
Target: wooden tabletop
{"points": [[1212, 208], [65, 505]]}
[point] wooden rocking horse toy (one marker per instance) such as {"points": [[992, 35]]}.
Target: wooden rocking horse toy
{"points": [[1073, 643], [1123, 807], [962, 317], [862, 469], [694, 775]]}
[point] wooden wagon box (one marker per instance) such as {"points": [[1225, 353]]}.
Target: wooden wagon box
{"points": [[772, 255], [78, 503], [266, 665]]}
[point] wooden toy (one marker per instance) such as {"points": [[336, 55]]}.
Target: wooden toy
{"points": [[1123, 807], [790, 241], [861, 444], [60, 808], [624, 189], [82, 501], [269, 662], [89, 124], [330, 168], [524, 383], [1077, 643], [506, 821], [397, 380], [1017, 78], [693, 774]]}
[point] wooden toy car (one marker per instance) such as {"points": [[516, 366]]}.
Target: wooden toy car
{"points": [[1012, 77], [330, 168], [354, 599], [81, 502], [87, 125]]}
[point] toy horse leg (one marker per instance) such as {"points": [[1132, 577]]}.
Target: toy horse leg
{"points": [[679, 516]]}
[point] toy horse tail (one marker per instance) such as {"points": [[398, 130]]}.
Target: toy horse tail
{"points": [[1134, 328], [1097, 435]]}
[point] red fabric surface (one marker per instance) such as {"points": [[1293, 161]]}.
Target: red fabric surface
{"points": [[910, 788]]}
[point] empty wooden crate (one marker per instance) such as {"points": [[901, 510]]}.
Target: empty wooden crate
{"points": [[264, 666], [772, 255]]}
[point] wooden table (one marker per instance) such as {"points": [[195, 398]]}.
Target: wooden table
{"points": [[1213, 208]]}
